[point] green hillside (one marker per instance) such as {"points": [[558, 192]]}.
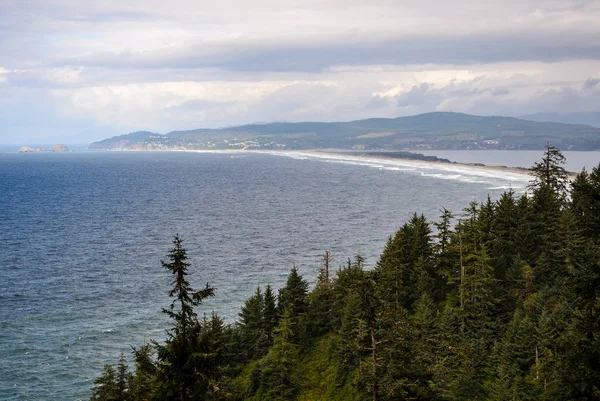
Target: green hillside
{"points": [[439, 130], [501, 303]]}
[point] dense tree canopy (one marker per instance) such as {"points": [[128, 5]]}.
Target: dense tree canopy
{"points": [[501, 302]]}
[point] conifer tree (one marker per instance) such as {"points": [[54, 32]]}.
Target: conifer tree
{"points": [[321, 299], [270, 317], [293, 295], [209, 358], [279, 381], [445, 256], [178, 376], [550, 174], [124, 380], [406, 262], [512, 359], [251, 324], [105, 387], [352, 341], [145, 373], [581, 370], [585, 194], [549, 187]]}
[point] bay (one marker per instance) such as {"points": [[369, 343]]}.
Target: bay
{"points": [[82, 235], [575, 160]]}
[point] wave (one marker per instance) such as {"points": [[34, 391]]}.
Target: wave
{"points": [[497, 178]]}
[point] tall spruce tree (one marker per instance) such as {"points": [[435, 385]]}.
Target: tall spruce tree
{"points": [[105, 387], [145, 373], [549, 187], [294, 295], [550, 174], [321, 299], [179, 376], [251, 323], [445, 256], [270, 317], [279, 381], [585, 194]]}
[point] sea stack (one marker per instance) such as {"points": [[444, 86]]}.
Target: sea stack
{"points": [[26, 149], [59, 147]]}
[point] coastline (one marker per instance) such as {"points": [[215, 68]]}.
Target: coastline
{"points": [[424, 163], [335, 153], [361, 155]]}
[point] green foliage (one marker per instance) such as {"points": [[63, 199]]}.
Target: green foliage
{"points": [[585, 203], [182, 372], [440, 129], [254, 341], [270, 317], [278, 379], [145, 373], [293, 296], [504, 305], [320, 307], [550, 173], [105, 386]]}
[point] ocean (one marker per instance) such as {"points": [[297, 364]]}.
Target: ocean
{"points": [[575, 160], [82, 235]]}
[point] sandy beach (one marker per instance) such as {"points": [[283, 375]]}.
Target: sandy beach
{"points": [[477, 166], [343, 154]]}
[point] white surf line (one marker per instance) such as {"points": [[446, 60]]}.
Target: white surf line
{"points": [[423, 167]]}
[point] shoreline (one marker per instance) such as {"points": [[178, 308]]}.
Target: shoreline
{"points": [[475, 166], [521, 171]]}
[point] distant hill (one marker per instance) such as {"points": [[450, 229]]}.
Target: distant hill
{"points": [[592, 119], [439, 130]]}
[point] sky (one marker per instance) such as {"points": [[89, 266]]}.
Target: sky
{"points": [[77, 71]]}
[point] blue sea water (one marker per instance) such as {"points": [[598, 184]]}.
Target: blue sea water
{"points": [[82, 236], [575, 160]]}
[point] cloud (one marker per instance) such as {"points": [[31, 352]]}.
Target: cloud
{"points": [[591, 83], [314, 54], [183, 64]]}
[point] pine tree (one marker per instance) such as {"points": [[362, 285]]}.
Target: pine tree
{"points": [[294, 295], [105, 387], [503, 250], [581, 371], [550, 173], [585, 194], [279, 381], [270, 317], [114, 385], [209, 358], [145, 373], [177, 374], [549, 186], [511, 360], [406, 264], [352, 341], [251, 323], [124, 380], [321, 300], [445, 256]]}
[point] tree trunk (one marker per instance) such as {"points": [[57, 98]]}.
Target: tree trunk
{"points": [[374, 357], [462, 271]]}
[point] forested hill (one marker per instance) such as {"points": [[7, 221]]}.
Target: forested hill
{"points": [[499, 303], [439, 130]]}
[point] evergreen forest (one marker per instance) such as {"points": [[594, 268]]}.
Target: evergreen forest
{"points": [[501, 302]]}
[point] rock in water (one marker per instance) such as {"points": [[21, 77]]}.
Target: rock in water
{"points": [[26, 149], [59, 147]]}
